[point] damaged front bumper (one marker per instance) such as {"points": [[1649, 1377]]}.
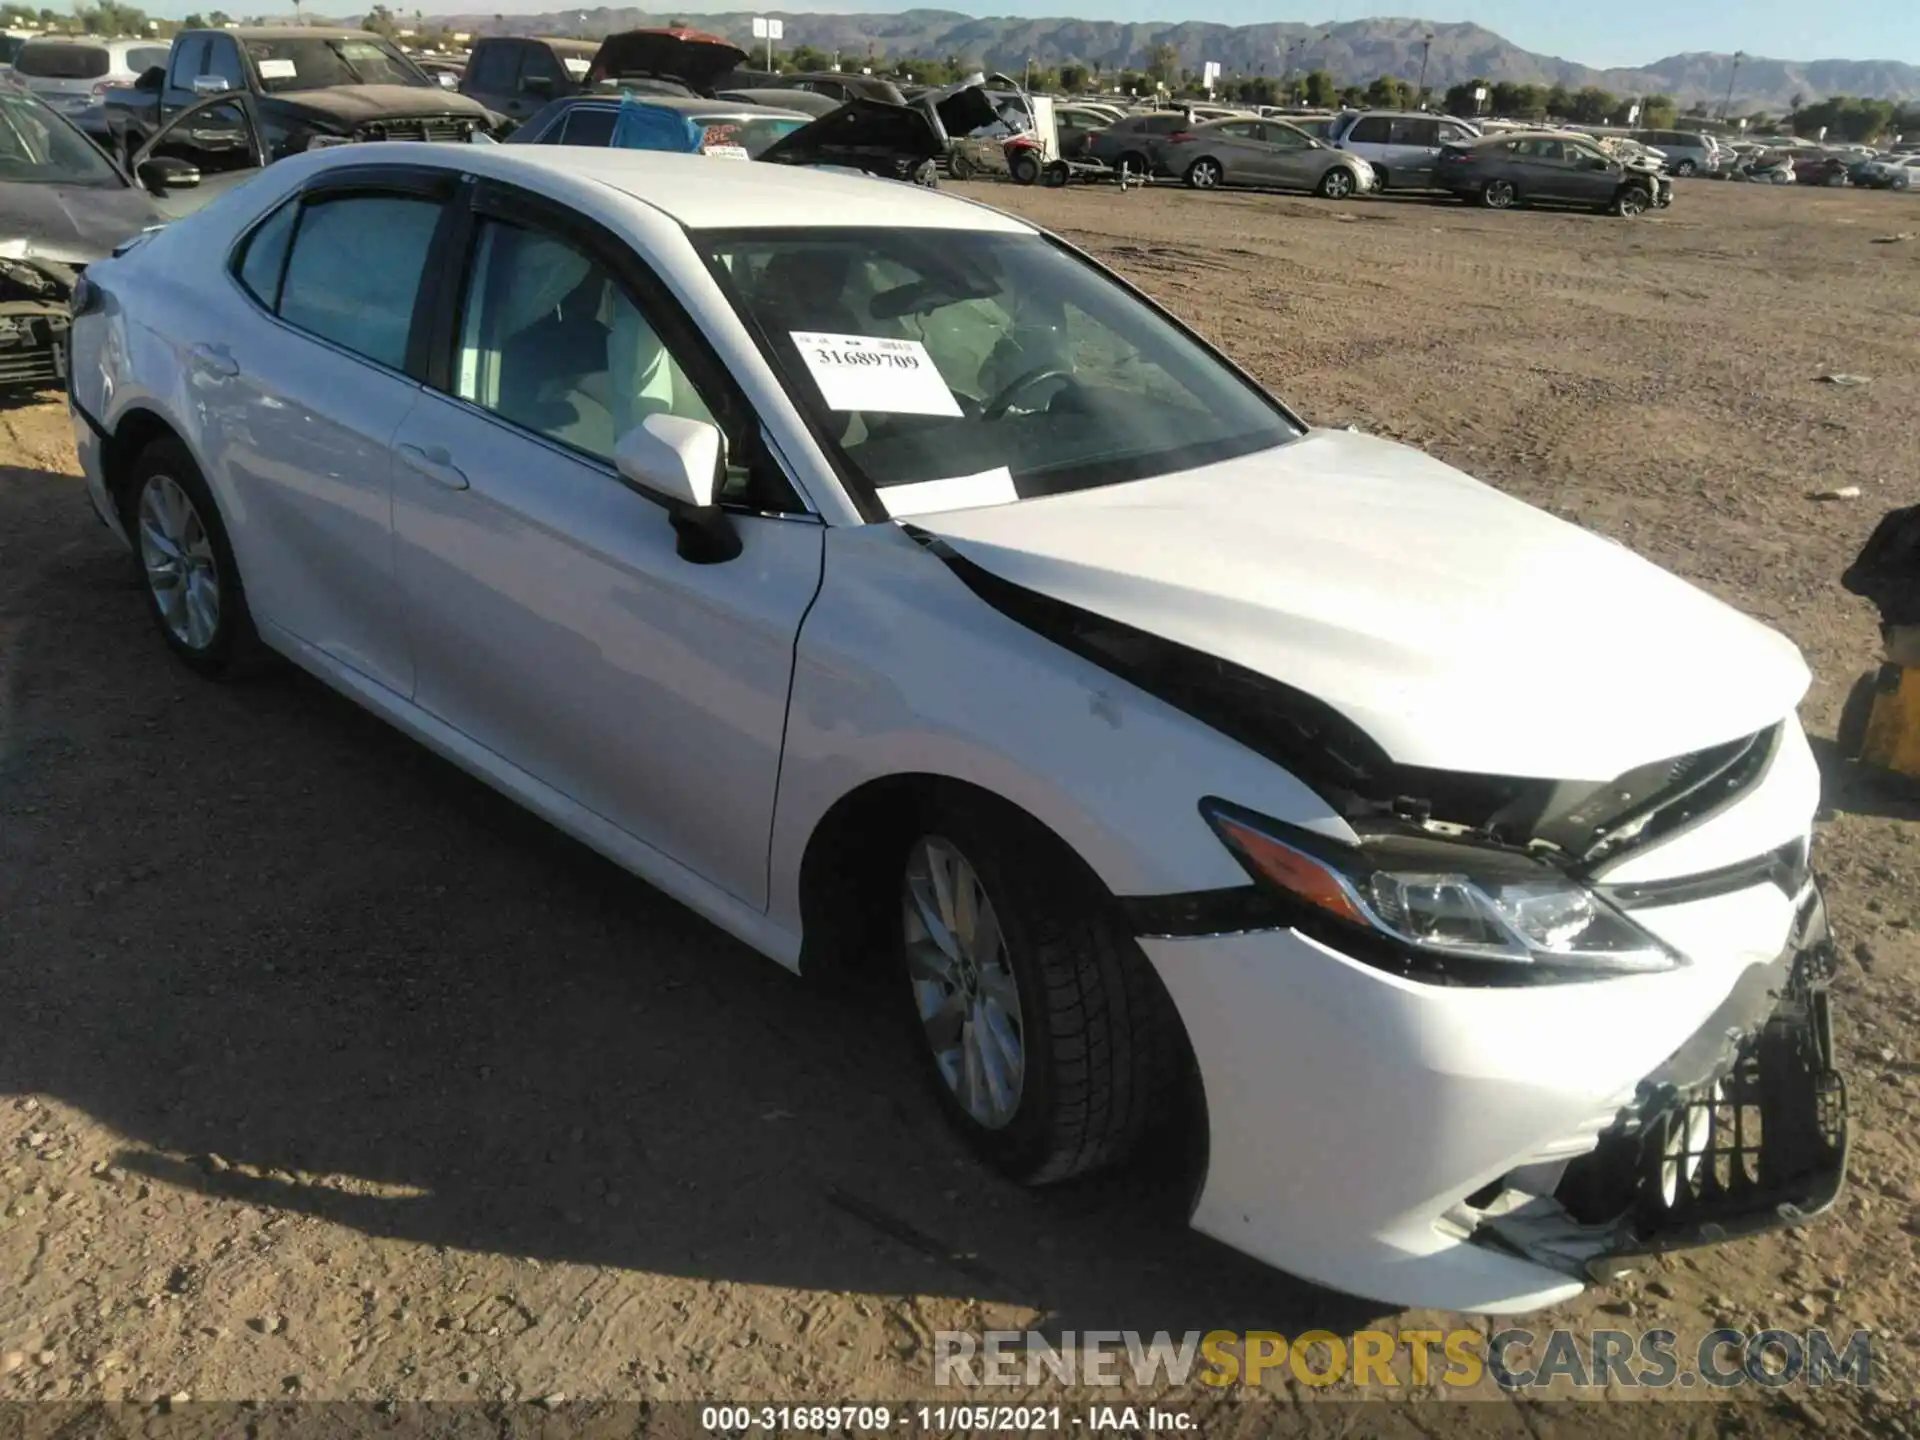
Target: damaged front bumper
{"points": [[34, 321], [1494, 1151], [1741, 1130]]}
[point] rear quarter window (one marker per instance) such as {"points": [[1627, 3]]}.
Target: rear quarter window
{"points": [[59, 61], [144, 58]]}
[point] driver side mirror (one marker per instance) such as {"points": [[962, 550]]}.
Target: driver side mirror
{"points": [[163, 173], [679, 464], [541, 85], [210, 85]]}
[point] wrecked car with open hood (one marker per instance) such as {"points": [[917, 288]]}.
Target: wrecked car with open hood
{"points": [[63, 205], [910, 596]]}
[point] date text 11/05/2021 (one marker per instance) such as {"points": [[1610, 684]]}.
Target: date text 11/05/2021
{"points": [[943, 1419]]}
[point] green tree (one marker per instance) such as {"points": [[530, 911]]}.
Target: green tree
{"points": [[1528, 102], [1389, 92], [1163, 64], [1658, 112], [1559, 102], [1460, 99], [1592, 106], [1353, 96], [195, 21], [1073, 77], [1319, 90]]}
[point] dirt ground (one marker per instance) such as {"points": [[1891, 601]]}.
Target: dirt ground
{"points": [[324, 1073]]}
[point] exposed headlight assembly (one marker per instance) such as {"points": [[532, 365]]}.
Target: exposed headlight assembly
{"points": [[1440, 899]]}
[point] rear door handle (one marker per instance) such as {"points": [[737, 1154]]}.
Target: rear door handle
{"points": [[216, 360], [436, 464]]}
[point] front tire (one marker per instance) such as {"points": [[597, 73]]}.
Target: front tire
{"points": [[1043, 1029], [1339, 183], [185, 562], [1685, 167], [1631, 200], [1205, 174], [1025, 169]]}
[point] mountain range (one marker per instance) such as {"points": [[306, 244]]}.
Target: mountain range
{"points": [[1354, 51]]}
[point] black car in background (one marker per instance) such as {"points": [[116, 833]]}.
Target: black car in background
{"points": [[514, 75]]}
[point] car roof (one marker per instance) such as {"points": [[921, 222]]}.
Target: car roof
{"points": [[684, 104], [700, 191], [297, 32]]}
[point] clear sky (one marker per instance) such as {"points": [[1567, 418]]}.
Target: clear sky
{"points": [[1616, 33]]}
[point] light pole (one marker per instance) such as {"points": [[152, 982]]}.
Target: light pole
{"points": [[1426, 48], [1726, 105]]}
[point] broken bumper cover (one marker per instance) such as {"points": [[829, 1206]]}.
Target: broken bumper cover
{"points": [[1742, 1130], [33, 345], [1494, 1150]]}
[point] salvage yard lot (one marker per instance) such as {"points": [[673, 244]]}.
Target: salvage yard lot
{"points": [[325, 1073]]}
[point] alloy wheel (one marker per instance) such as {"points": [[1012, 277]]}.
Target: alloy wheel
{"points": [[1203, 174], [1498, 194], [963, 986], [1338, 185], [177, 554]]}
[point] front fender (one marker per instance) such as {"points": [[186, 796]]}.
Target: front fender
{"points": [[901, 669]]}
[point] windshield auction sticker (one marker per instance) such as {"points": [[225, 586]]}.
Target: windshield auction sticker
{"points": [[866, 372], [277, 70]]}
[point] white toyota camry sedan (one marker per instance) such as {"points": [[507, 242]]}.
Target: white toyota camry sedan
{"points": [[910, 596]]}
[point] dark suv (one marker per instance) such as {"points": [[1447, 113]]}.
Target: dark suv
{"points": [[517, 74]]}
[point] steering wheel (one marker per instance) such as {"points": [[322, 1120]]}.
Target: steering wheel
{"points": [[1026, 380]]}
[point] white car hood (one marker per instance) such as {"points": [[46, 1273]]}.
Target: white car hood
{"points": [[1461, 629]]}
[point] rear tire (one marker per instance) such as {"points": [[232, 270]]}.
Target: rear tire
{"points": [[1499, 195], [1025, 169], [1056, 175], [185, 563], [1205, 174], [1685, 167], [1036, 967], [959, 167]]}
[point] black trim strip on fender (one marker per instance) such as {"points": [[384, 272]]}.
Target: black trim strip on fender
{"points": [[1189, 914], [100, 431]]}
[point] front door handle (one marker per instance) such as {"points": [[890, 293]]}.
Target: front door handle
{"points": [[436, 464], [216, 360]]}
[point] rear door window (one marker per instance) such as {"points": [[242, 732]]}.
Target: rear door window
{"points": [[1424, 133], [1371, 130], [585, 125], [355, 272], [496, 68], [61, 60]]}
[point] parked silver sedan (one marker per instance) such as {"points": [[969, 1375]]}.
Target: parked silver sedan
{"points": [[1249, 151]]}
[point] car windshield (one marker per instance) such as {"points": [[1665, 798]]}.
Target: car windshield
{"points": [[1000, 360], [751, 133], [38, 148], [308, 62]]}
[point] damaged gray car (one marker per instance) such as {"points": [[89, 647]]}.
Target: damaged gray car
{"points": [[63, 205]]}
